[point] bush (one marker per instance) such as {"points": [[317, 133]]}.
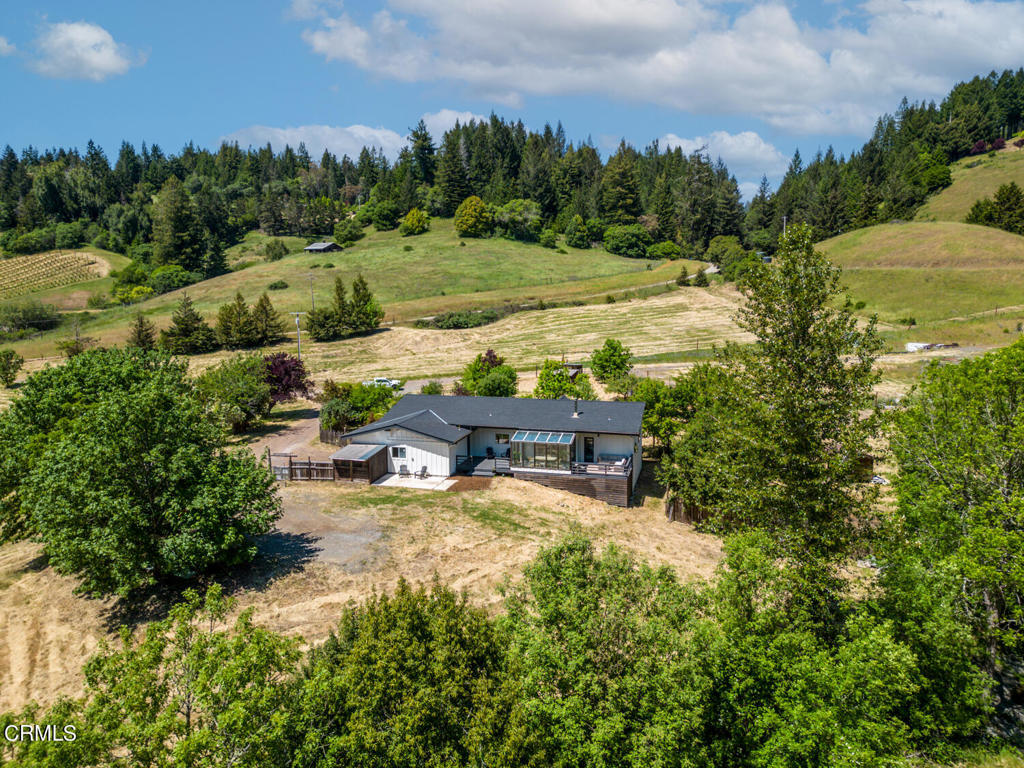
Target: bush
{"points": [[278, 285], [69, 235], [630, 240], [432, 388], [171, 277], [385, 216], [998, 143], [287, 377], [701, 279], [979, 147], [519, 220], [34, 242], [98, 301], [666, 249], [465, 318], [132, 294], [473, 218], [416, 222], [407, 248], [347, 231], [576, 234], [501, 381], [275, 249], [237, 391], [327, 265], [10, 364], [684, 277]]}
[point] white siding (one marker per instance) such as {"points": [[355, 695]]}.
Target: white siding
{"points": [[485, 438], [607, 447], [420, 451]]}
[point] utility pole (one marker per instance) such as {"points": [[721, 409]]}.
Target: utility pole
{"points": [[298, 331]]}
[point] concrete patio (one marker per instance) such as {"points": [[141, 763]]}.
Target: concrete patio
{"points": [[423, 483]]}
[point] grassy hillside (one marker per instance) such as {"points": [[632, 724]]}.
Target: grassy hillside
{"points": [[959, 282], [974, 178], [413, 277]]}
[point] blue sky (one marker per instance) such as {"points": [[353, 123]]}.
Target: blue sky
{"points": [[750, 80]]}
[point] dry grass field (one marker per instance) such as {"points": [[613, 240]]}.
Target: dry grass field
{"points": [[335, 545]]}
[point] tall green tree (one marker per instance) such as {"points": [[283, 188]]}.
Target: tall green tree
{"points": [[188, 334], [10, 364], [268, 326], [142, 334], [177, 232], [235, 327], [620, 192], [452, 181], [780, 450], [554, 381], [611, 361], [423, 153]]}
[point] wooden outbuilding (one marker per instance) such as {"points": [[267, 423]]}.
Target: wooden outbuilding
{"points": [[360, 463]]}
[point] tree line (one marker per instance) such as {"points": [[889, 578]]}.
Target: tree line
{"points": [[185, 209]]}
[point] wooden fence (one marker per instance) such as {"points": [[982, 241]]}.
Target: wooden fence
{"points": [[299, 469], [677, 510], [332, 437]]}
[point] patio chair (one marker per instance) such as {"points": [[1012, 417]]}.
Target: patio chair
{"points": [[423, 473], [490, 452], [403, 471]]}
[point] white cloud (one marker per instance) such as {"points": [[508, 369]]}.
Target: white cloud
{"points": [[81, 51], [746, 154], [346, 140], [340, 140], [443, 120], [687, 54], [6, 47], [311, 9]]}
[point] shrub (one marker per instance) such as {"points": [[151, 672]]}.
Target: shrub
{"points": [[275, 249], [519, 220], [407, 248], [548, 239], [501, 381], [630, 240], [684, 277], [385, 216], [701, 279], [666, 249], [576, 234], [133, 294], [10, 364], [327, 265], [473, 218], [465, 318], [98, 301], [287, 377], [595, 230], [69, 235], [416, 222], [998, 143], [171, 277], [979, 147], [347, 231], [432, 388], [278, 285], [237, 391]]}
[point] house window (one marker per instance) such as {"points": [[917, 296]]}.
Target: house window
{"points": [[397, 451], [501, 438]]}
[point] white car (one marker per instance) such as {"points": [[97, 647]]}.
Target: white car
{"points": [[383, 381]]}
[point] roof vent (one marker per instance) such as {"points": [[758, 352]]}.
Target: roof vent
{"points": [[576, 408]]}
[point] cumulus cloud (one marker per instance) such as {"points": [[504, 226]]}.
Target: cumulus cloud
{"points": [[81, 51], [693, 55], [746, 153], [6, 47], [340, 140], [346, 140], [443, 120]]}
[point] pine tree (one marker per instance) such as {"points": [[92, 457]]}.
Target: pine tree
{"points": [[364, 312], [620, 193], [188, 334], [177, 232], [235, 326], [423, 153], [664, 207], [451, 174], [215, 262], [701, 279], [268, 327], [142, 334]]}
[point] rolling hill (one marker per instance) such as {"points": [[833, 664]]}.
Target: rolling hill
{"points": [[973, 178], [962, 282]]}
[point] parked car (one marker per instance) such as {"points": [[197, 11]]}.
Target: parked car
{"points": [[383, 381]]}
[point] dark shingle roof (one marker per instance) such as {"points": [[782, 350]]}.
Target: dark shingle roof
{"points": [[422, 421], [618, 418]]}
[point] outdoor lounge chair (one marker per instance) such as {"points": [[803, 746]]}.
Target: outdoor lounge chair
{"points": [[403, 471], [423, 473], [490, 452]]}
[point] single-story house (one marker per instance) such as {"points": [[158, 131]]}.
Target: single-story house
{"points": [[322, 247], [590, 447]]}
